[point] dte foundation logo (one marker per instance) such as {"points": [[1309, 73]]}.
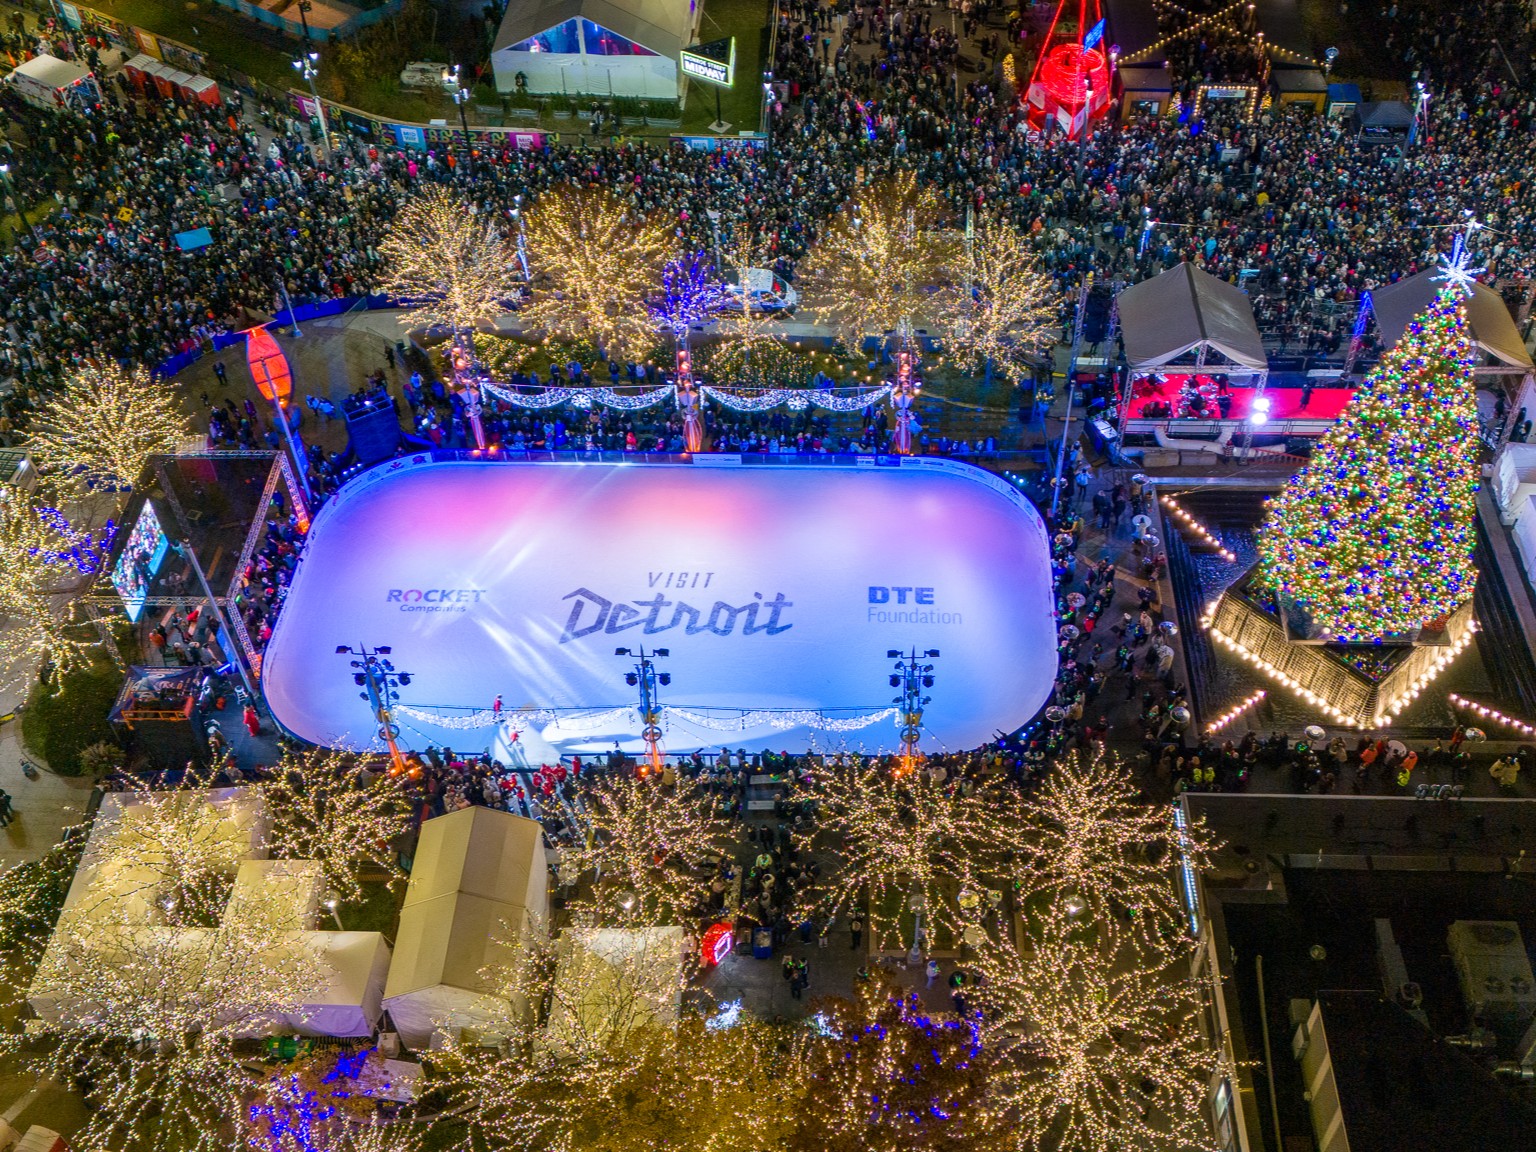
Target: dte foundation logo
{"points": [[592, 613], [923, 611], [434, 599]]}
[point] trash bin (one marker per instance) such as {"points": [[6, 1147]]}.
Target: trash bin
{"points": [[762, 944]]}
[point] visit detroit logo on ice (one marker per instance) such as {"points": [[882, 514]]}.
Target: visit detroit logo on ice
{"points": [[673, 603]]}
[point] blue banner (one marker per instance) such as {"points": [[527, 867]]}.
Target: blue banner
{"points": [[1095, 34]]}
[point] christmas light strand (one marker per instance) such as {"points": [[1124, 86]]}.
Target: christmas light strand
{"points": [[1487, 713], [1193, 526], [447, 264], [1233, 713]]}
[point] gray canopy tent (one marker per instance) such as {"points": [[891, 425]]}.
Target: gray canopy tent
{"points": [[1185, 312], [1492, 327]]}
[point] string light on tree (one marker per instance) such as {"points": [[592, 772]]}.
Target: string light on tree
{"points": [[642, 845], [1095, 847], [691, 295], [39, 586], [102, 429], [874, 267], [1375, 535], [595, 261], [908, 845], [345, 811], [446, 263], [998, 307]]}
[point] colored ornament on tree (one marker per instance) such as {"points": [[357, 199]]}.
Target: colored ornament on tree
{"points": [[1374, 536]]}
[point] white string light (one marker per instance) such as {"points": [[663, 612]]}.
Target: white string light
{"points": [[1493, 714], [797, 399], [780, 719], [1188, 522], [1233, 713]]}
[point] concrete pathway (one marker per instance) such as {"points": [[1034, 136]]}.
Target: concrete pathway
{"points": [[43, 808]]}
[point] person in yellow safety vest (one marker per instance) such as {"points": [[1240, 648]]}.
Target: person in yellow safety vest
{"points": [[1506, 770]]}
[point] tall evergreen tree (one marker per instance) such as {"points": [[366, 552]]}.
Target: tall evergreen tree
{"points": [[1375, 535]]}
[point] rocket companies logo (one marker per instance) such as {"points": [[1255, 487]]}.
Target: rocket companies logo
{"points": [[434, 599]]}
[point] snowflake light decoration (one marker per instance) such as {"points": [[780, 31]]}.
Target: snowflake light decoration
{"points": [[1454, 268]]}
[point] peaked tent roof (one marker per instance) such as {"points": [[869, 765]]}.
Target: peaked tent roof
{"points": [[1183, 308], [1385, 114], [1493, 328], [663, 26]]}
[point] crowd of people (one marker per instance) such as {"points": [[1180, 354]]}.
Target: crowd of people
{"points": [[1322, 214]]}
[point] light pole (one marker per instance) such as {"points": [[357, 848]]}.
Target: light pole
{"points": [[912, 676], [461, 98], [647, 679], [305, 7], [308, 66], [379, 680]]}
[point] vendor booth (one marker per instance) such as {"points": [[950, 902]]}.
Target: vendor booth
{"points": [[113, 915], [478, 882]]}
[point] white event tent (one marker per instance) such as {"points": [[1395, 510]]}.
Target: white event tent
{"points": [[479, 880]]}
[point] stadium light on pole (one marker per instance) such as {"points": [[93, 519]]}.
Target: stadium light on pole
{"points": [[647, 679], [308, 66], [380, 680], [912, 676]]}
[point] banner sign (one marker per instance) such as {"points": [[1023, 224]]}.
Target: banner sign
{"points": [[772, 588], [1095, 34], [713, 63]]}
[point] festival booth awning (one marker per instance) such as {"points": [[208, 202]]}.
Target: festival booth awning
{"points": [[479, 879], [602, 47], [1185, 310], [1493, 329]]}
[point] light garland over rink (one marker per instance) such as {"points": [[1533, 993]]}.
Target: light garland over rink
{"points": [[797, 399], [578, 720]]}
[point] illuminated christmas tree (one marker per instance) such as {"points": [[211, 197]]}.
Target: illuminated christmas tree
{"points": [[1374, 537]]}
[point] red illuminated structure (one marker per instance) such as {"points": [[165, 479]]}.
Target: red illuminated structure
{"points": [[1071, 84]]}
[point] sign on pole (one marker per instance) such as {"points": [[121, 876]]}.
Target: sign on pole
{"points": [[713, 63], [1095, 34]]}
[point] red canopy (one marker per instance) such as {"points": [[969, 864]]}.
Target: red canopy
{"points": [[269, 367]]}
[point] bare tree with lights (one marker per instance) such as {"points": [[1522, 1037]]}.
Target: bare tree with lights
{"points": [[595, 1059], [40, 585], [876, 265], [1096, 848], [885, 1075], [644, 850], [343, 810], [1093, 1049], [998, 307], [910, 847], [102, 429], [448, 264], [595, 262], [149, 1015]]}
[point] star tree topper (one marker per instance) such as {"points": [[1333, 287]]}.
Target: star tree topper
{"points": [[1454, 270]]}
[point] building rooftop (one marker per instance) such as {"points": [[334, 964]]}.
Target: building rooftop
{"points": [[1401, 1086]]}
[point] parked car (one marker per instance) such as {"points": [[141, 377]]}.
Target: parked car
{"points": [[765, 291]]}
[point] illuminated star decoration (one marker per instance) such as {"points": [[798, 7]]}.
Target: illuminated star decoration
{"points": [[1454, 270]]}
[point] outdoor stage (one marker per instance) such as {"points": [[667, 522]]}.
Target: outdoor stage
{"points": [[776, 584], [1149, 396]]}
